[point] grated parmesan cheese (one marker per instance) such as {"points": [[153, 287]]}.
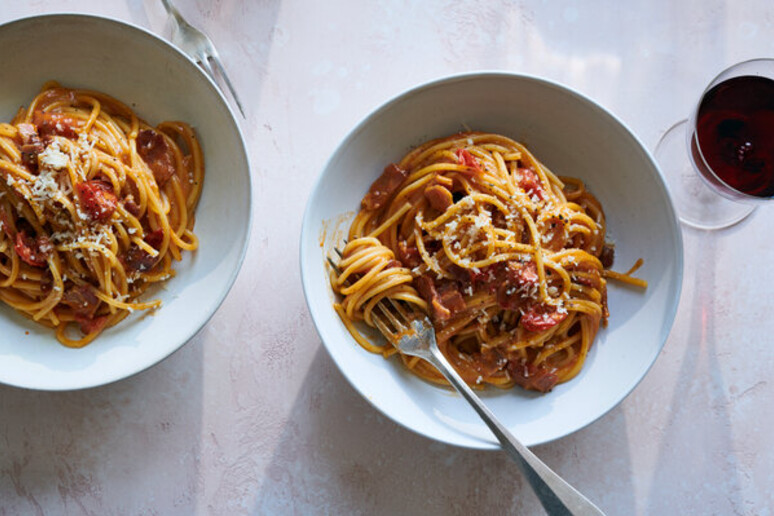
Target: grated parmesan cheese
{"points": [[53, 157], [46, 187]]}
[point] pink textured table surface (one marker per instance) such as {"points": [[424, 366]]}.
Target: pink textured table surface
{"points": [[252, 416]]}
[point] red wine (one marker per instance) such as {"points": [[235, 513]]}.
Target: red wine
{"points": [[735, 130]]}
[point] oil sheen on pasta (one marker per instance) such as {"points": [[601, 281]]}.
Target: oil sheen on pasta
{"points": [[95, 206], [509, 261]]}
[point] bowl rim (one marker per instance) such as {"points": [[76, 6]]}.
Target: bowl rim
{"points": [[158, 39], [77, 384], [307, 223]]}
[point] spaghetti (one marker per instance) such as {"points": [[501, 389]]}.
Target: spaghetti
{"points": [[509, 261], [95, 206]]}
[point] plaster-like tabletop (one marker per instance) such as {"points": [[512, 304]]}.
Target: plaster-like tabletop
{"points": [[252, 416]]}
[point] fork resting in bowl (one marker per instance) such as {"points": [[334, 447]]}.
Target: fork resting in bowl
{"points": [[412, 333]]}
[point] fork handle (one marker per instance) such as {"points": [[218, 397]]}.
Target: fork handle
{"points": [[557, 496]]}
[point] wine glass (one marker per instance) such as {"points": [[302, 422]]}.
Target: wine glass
{"points": [[727, 166]]}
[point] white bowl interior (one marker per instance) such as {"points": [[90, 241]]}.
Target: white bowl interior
{"points": [[573, 136], [160, 83]]}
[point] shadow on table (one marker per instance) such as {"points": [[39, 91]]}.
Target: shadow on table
{"points": [[94, 450], [338, 454], [697, 436]]}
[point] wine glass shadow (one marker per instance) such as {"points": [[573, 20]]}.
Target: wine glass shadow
{"points": [[698, 424]]}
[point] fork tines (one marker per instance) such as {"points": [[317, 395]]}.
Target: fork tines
{"points": [[398, 327], [201, 49]]}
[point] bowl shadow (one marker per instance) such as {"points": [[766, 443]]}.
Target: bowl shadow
{"points": [[78, 451], [339, 454]]}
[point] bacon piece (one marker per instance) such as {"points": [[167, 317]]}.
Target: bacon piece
{"points": [[384, 186], [499, 220], [156, 153], [27, 132], [466, 158], [449, 296], [394, 264], [432, 245], [486, 278], [46, 286], [541, 317], [55, 124], [554, 234], [439, 197], [490, 277], [490, 361], [82, 300], [91, 324], [5, 224], [97, 199], [531, 377], [466, 277], [530, 183], [155, 238], [137, 259], [445, 300], [131, 206], [33, 251], [408, 254], [607, 256], [427, 290], [31, 145], [520, 285], [587, 274]]}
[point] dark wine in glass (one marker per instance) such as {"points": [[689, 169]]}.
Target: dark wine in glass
{"points": [[730, 138], [735, 136]]}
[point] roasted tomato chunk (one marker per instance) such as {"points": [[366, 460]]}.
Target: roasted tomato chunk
{"points": [[530, 183], [55, 124], [97, 199], [519, 285], [466, 158], [541, 317]]}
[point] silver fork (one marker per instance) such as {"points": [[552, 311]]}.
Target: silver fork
{"points": [[414, 335], [200, 48]]}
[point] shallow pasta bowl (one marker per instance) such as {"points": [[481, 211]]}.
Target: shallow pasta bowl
{"points": [[573, 136], [159, 83]]}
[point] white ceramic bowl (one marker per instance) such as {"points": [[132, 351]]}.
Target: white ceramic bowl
{"points": [[160, 83], [573, 136]]}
